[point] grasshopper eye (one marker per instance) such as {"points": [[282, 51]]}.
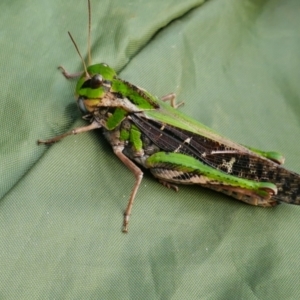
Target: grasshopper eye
{"points": [[80, 103], [96, 81]]}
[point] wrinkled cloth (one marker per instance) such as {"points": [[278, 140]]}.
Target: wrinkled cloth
{"points": [[236, 66]]}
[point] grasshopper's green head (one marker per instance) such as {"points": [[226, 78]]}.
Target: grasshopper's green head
{"points": [[91, 89]]}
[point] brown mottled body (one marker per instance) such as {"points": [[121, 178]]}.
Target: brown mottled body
{"points": [[247, 165]]}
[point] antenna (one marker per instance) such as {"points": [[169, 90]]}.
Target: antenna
{"points": [[89, 33], [84, 65], [89, 42]]}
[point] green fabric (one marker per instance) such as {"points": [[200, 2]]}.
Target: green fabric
{"points": [[234, 63]]}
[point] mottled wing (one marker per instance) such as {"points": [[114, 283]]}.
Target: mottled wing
{"points": [[247, 165]]}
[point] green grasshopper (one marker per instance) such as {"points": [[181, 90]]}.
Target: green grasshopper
{"points": [[145, 131]]}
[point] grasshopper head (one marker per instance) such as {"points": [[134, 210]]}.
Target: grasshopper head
{"points": [[92, 89]]}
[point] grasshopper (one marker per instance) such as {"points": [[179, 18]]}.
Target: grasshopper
{"points": [[147, 132]]}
